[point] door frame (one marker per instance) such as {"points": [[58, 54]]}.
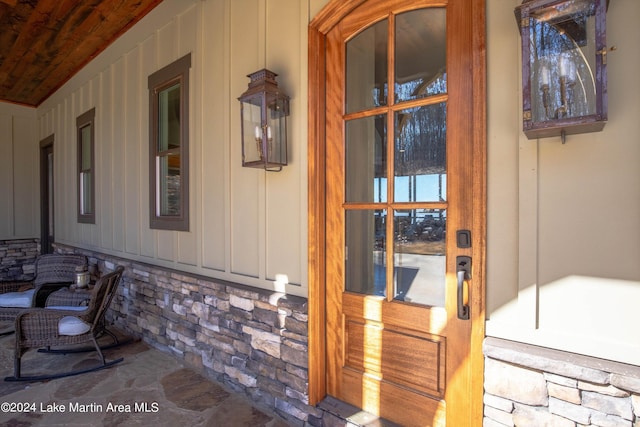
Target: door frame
{"points": [[318, 29], [46, 145]]}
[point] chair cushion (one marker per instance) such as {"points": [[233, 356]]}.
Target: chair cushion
{"points": [[17, 299], [71, 326], [67, 307]]}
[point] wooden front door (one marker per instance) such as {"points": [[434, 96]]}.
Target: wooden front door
{"points": [[404, 208]]}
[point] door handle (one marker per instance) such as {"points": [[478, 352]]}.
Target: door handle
{"points": [[463, 273]]}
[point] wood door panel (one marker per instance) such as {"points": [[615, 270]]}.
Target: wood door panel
{"points": [[404, 315], [405, 407], [400, 356]]}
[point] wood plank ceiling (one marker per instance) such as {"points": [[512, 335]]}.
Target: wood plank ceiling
{"points": [[43, 43]]}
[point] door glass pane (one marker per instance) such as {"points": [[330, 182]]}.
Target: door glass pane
{"points": [[367, 68], [169, 183], [419, 259], [420, 54], [169, 118], [420, 154], [365, 266], [366, 160]]}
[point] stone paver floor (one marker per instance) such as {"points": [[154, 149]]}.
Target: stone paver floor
{"points": [[148, 388]]}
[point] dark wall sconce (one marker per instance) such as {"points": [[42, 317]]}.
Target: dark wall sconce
{"points": [[263, 112], [564, 66]]}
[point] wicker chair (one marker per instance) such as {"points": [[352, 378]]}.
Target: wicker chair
{"points": [[66, 326], [53, 271]]}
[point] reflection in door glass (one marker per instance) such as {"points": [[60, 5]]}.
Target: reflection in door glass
{"points": [[365, 266], [366, 160], [420, 154], [367, 69], [421, 59], [419, 259]]}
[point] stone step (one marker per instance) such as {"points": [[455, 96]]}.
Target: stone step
{"points": [[341, 414]]}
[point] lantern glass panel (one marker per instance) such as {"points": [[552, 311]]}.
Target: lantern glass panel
{"points": [[277, 110], [562, 40], [252, 129]]}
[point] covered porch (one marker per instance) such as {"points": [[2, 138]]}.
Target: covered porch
{"points": [[149, 387], [238, 294]]}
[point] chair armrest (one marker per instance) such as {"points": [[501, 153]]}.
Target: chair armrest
{"points": [[38, 326], [69, 297], [14, 286]]}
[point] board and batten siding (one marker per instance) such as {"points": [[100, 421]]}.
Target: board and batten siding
{"points": [[246, 225], [563, 238], [563, 243], [20, 206]]}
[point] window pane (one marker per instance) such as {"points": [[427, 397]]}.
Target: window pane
{"points": [[85, 193], [365, 266], [366, 159], [85, 135], [85, 159], [419, 259], [421, 54], [169, 185], [367, 68], [420, 154], [169, 146], [169, 118]]}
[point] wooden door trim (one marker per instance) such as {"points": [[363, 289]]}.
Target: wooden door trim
{"points": [[479, 133], [319, 27], [324, 21]]}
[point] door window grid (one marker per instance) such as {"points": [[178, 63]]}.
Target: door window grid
{"points": [[413, 216]]}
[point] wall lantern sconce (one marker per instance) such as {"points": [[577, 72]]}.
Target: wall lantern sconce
{"points": [[263, 113], [564, 66]]}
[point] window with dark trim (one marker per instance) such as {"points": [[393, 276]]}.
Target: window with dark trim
{"points": [[86, 167], [169, 146]]}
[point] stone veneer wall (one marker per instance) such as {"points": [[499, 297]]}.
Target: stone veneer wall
{"points": [[252, 340], [17, 259], [530, 386]]}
